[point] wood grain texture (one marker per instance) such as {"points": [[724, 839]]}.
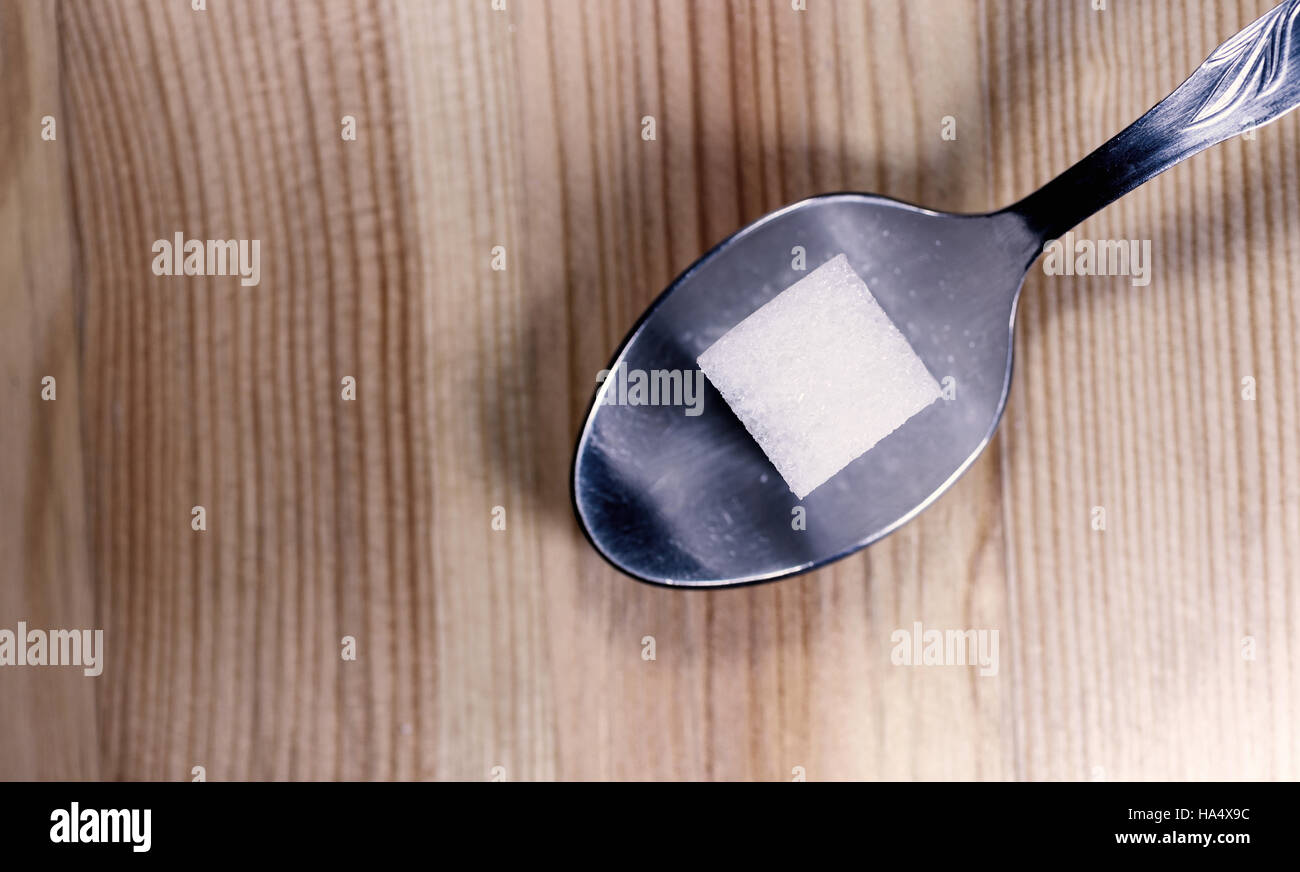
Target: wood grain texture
{"points": [[1120, 650], [48, 718]]}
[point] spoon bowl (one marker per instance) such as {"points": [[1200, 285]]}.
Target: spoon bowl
{"points": [[690, 499]]}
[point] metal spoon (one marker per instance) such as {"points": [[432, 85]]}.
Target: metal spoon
{"points": [[690, 500]]}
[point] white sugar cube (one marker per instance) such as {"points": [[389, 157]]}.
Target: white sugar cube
{"points": [[818, 375]]}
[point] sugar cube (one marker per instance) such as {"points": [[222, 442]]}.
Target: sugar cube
{"points": [[819, 374]]}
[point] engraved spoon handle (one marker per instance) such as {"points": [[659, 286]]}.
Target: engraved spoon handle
{"points": [[1250, 80]]}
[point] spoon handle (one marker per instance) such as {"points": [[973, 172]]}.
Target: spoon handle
{"points": [[1250, 80]]}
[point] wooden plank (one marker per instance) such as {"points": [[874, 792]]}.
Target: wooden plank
{"points": [[47, 713], [1163, 646], [529, 125]]}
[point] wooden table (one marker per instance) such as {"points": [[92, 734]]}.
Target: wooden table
{"points": [[1164, 646]]}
